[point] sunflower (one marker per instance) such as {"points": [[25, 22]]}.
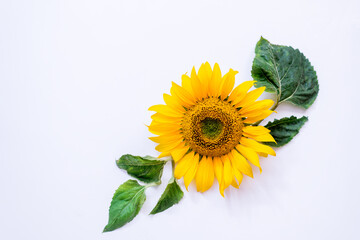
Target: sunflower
{"points": [[208, 128]]}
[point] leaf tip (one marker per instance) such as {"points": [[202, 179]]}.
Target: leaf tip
{"points": [[263, 39]]}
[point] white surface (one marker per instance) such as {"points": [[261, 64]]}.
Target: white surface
{"points": [[77, 78]]}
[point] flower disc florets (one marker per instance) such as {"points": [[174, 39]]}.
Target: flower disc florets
{"points": [[212, 127]]}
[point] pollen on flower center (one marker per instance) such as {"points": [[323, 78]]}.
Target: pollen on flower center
{"points": [[212, 127]]}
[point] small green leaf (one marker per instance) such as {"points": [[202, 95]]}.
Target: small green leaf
{"points": [[146, 169], [285, 129], [172, 195], [125, 205], [286, 72]]}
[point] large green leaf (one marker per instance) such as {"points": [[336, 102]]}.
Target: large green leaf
{"points": [[146, 169], [172, 195], [125, 205], [286, 72], [285, 129]]}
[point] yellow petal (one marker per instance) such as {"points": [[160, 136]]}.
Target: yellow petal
{"points": [[255, 130], [238, 176], [167, 147], [254, 114], [215, 82], [227, 175], [184, 164], [179, 152], [218, 168], [165, 110], [234, 183], [240, 91], [186, 84], [204, 75], [258, 147], [190, 174], [256, 107], [261, 137], [205, 174], [166, 138], [155, 122], [262, 154], [222, 186], [158, 117], [161, 132], [250, 155], [264, 114], [251, 97], [163, 128], [228, 83], [184, 96], [237, 179], [172, 103], [239, 162], [164, 154], [196, 85]]}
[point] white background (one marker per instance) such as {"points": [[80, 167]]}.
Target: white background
{"points": [[77, 78]]}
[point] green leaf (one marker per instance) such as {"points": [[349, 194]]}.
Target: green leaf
{"points": [[286, 72], [146, 169], [285, 129], [172, 195], [125, 205]]}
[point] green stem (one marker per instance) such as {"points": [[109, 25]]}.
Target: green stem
{"points": [[153, 184], [173, 170], [173, 165], [166, 159], [275, 106]]}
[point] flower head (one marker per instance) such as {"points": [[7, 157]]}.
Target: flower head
{"points": [[206, 126]]}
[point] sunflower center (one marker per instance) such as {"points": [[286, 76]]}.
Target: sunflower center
{"points": [[212, 127]]}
